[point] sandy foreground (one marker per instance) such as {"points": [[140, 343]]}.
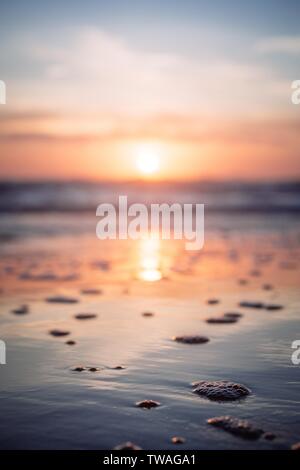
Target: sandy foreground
{"points": [[128, 357]]}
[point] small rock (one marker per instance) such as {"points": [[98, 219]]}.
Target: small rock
{"points": [[238, 427], [118, 368], [79, 369], [148, 404], [213, 301], [147, 314], [59, 333], [248, 304], [91, 292], [94, 369], [221, 390], [23, 310], [191, 339], [221, 320], [177, 440], [60, 299], [233, 315], [273, 307], [127, 446], [71, 343], [85, 316], [267, 287]]}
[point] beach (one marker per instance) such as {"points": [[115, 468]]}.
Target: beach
{"points": [[82, 353]]}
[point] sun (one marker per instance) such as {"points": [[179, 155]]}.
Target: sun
{"points": [[147, 161]]}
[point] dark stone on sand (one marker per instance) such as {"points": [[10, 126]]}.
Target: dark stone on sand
{"points": [[71, 343], [148, 404], [238, 427], [250, 304], [79, 369], [23, 310], [91, 292], [221, 320], [59, 333], [255, 273], [94, 369], [267, 287], [269, 436], [60, 299], [177, 440], [127, 446], [85, 316], [296, 446], [273, 307], [191, 339], [221, 390], [213, 301], [233, 315], [148, 314], [119, 368]]}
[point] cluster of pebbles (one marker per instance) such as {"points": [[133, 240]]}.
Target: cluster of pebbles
{"points": [[218, 390]]}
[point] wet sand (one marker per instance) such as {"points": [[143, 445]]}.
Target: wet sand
{"points": [[84, 395]]}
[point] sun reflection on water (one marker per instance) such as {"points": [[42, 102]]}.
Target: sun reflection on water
{"points": [[150, 260]]}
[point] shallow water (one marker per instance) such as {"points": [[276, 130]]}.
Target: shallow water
{"points": [[46, 405]]}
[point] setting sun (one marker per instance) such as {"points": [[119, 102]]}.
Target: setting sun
{"points": [[147, 161]]}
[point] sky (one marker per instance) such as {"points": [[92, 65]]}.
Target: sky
{"points": [[202, 87]]}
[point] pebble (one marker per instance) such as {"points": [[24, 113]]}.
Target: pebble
{"points": [[233, 315], [221, 320], [248, 304], [273, 307], [88, 368], [71, 343], [267, 287], [127, 446], [118, 368], [238, 427], [213, 301], [91, 292], [191, 339], [148, 404], [59, 333], [23, 310], [148, 314], [177, 440], [221, 390], [60, 299], [85, 316]]}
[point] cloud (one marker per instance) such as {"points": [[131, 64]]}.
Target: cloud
{"points": [[97, 71], [271, 131], [280, 44]]}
